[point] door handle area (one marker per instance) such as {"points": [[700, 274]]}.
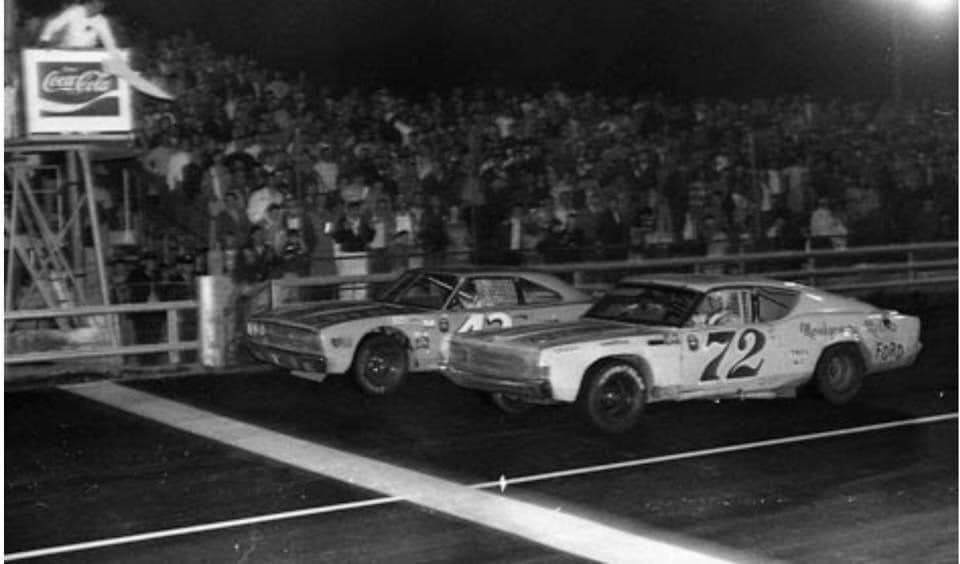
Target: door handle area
{"points": [[521, 316]]}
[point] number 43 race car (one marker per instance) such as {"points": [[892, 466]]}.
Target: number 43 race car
{"points": [[678, 337], [408, 327]]}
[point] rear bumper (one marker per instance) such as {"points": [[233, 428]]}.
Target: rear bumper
{"points": [[538, 389], [287, 359]]}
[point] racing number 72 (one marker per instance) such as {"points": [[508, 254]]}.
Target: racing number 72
{"points": [[749, 344]]}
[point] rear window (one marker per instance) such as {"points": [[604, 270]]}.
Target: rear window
{"points": [[535, 294], [478, 293], [775, 303]]}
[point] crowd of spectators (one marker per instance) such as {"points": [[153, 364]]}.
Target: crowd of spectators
{"points": [[278, 176]]}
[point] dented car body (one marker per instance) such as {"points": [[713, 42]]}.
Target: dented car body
{"points": [[678, 337], [409, 326]]}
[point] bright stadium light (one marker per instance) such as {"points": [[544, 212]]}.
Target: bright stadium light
{"points": [[898, 13], [933, 6]]}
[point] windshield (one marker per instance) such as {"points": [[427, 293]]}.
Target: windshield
{"points": [[424, 289], [647, 304]]}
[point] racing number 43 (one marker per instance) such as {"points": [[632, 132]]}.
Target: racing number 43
{"points": [[481, 321], [743, 365]]}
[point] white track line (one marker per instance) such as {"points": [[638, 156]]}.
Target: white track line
{"points": [[722, 450], [258, 519], [546, 526]]}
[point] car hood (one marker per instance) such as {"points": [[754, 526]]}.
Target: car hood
{"points": [[558, 334], [325, 314]]}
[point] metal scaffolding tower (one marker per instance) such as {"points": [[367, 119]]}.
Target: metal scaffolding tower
{"points": [[47, 236]]}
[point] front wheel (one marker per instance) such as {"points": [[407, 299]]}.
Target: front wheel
{"points": [[839, 375], [380, 365], [612, 396], [510, 404]]}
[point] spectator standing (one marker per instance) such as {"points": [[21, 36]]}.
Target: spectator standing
{"points": [[143, 282], [258, 259], [322, 215], [716, 243], [179, 159], [326, 169], [262, 198], [384, 224], [613, 234], [433, 233], [353, 234], [231, 221], [827, 230]]}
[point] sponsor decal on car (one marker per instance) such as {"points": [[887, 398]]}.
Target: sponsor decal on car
{"points": [[889, 352], [815, 331]]}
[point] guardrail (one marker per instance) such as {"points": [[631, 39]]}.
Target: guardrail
{"points": [[173, 321], [920, 264], [852, 270]]}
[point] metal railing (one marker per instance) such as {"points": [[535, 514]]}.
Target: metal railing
{"points": [[917, 266], [849, 270], [173, 345]]}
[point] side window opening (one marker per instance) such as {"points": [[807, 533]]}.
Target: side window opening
{"points": [[774, 303], [535, 294]]}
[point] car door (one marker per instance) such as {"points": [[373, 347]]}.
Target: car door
{"points": [[733, 355], [479, 303]]}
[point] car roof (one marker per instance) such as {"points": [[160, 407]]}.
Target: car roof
{"points": [[547, 279], [708, 282]]}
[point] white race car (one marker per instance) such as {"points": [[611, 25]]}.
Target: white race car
{"points": [[678, 337]]}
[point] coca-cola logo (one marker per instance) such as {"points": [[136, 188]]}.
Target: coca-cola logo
{"points": [[76, 89], [90, 81]]}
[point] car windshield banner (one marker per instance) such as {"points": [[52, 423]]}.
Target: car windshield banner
{"points": [[68, 91]]}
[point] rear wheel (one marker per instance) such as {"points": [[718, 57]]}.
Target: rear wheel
{"points": [[612, 396], [839, 374], [380, 365], [511, 404]]}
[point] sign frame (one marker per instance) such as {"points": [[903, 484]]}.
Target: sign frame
{"points": [[39, 121]]}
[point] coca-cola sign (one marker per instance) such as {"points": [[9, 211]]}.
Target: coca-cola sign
{"points": [[77, 82], [69, 91], [78, 89]]}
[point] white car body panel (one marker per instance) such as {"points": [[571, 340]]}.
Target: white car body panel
{"points": [[755, 359]]}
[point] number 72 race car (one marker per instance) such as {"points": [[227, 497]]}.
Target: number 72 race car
{"points": [[408, 327], [678, 337]]}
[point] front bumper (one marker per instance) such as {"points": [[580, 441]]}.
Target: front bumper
{"points": [[287, 359], [535, 389]]}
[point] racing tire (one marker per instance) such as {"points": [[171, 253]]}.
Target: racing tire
{"points": [[613, 396], [380, 365], [511, 404], [839, 375]]}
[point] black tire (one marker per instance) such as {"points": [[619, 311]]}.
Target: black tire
{"points": [[612, 396], [510, 404], [380, 365], [839, 374]]}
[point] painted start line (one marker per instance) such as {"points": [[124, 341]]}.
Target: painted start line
{"points": [[546, 526]]}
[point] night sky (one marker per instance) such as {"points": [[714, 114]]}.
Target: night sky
{"points": [[681, 47]]}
